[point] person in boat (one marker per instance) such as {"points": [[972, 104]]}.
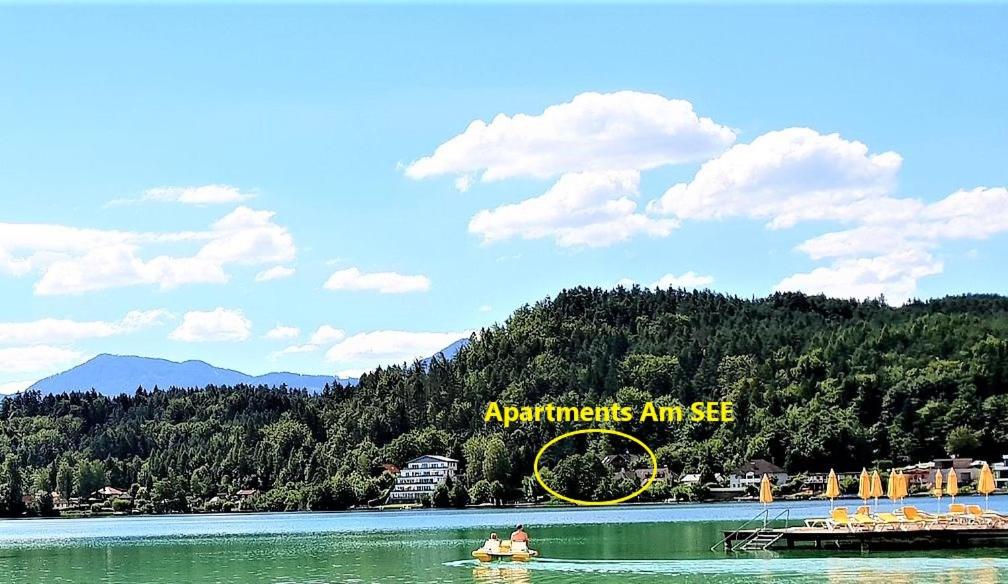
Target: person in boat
{"points": [[519, 534], [493, 544]]}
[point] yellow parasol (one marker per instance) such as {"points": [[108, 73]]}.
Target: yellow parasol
{"points": [[892, 489], [903, 492], [864, 486], [937, 489], [985, 484], [952, 485], [765, 494], [876, 486], [832, 487]]}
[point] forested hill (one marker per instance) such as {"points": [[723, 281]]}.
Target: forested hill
{"points": [[817, 383]]}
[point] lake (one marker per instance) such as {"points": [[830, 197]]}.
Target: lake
{"points": [[625, 544]]}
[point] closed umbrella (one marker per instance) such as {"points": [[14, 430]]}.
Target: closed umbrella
{"points": [[985, 485], [864, 486], [876, 486], [832, 487], [952, 485], [892, 489], [903, 492], [937, 489], [765, 495]]}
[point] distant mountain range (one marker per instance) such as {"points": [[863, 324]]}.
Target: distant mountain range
{"points": [[116, 374]]}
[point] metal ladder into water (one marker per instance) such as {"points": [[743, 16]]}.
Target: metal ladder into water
{"points": [[761, 538]]}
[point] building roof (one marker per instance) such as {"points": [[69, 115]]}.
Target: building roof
{"points": [[110, 491], [435, 457], [246, 492], [758, 466]]}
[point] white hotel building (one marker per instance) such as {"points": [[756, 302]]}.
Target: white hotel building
{"points": [[421, 477]]}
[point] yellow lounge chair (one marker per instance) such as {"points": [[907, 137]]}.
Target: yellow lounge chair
{"points": [[924, 519], [838, 518], [977, 515], [866, 520], [895, 521]]}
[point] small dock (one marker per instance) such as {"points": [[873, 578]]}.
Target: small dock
{"points": [[843, 538]]}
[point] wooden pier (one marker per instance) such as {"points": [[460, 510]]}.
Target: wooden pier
{"points": [[864, 539]]}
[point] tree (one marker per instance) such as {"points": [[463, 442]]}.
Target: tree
{"points": [[459, 496], [441, 496], [90, 477], [962, 442], [12, 487], [480, 492]]}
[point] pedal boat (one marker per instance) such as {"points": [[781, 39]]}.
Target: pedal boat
{"points": [[516, 552]]}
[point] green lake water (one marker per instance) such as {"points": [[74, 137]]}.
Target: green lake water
{"points": [[626, 544]]}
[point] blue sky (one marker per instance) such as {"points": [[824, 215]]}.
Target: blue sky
{"points": [[850, 150]]}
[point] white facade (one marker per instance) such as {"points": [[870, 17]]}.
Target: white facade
{"points": [[421, 477], [1001, 472]]}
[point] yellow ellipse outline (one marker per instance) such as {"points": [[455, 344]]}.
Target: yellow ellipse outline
{"points": [[542, 483]]}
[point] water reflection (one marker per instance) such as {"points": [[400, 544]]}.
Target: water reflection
{"points": [[497, 574]]}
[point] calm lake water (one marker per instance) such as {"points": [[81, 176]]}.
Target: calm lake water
{"points": [[625, 544]]}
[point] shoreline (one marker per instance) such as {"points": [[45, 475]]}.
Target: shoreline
{"points": [[560, 506]]}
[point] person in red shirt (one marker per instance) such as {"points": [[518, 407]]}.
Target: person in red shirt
{"points": [[519, 534]]}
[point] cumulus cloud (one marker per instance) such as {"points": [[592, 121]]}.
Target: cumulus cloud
{"points": [[365, 351], [625, 130], [323, 336], [61, 331], [864, 254], [17, 386], [192, 195], [689, 280], [894, 275], [274, 273], [592, 209], [73, 260], [282, 333], [383, 282], [221, 324], [326, 334], [786, 176], [38, 358]]}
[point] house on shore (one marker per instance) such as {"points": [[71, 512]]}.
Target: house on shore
{"points": [[420, 477], [751, 473], [641, 475], [1001, 472]]}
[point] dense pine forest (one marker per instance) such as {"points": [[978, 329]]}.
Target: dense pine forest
{"points": [[816, 382]]}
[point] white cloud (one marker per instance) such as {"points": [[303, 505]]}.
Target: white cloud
{"points": [[382, 282], [201, 195], [787, 176], [74, 260], [365, 351], [591, 209], [864, 254], [59, 331], [592, 132], [282, 333], [485, 308], [220, 324], [689, 280], [37, 358], [895, 275], [12, 387], [274, 273], [326, 334], [323, 336], [295, 349]]}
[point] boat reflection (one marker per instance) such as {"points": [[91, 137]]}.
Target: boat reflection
{"points": [[509, 574]]}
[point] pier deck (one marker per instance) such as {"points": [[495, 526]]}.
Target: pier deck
{"points": [[843, 538]]}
